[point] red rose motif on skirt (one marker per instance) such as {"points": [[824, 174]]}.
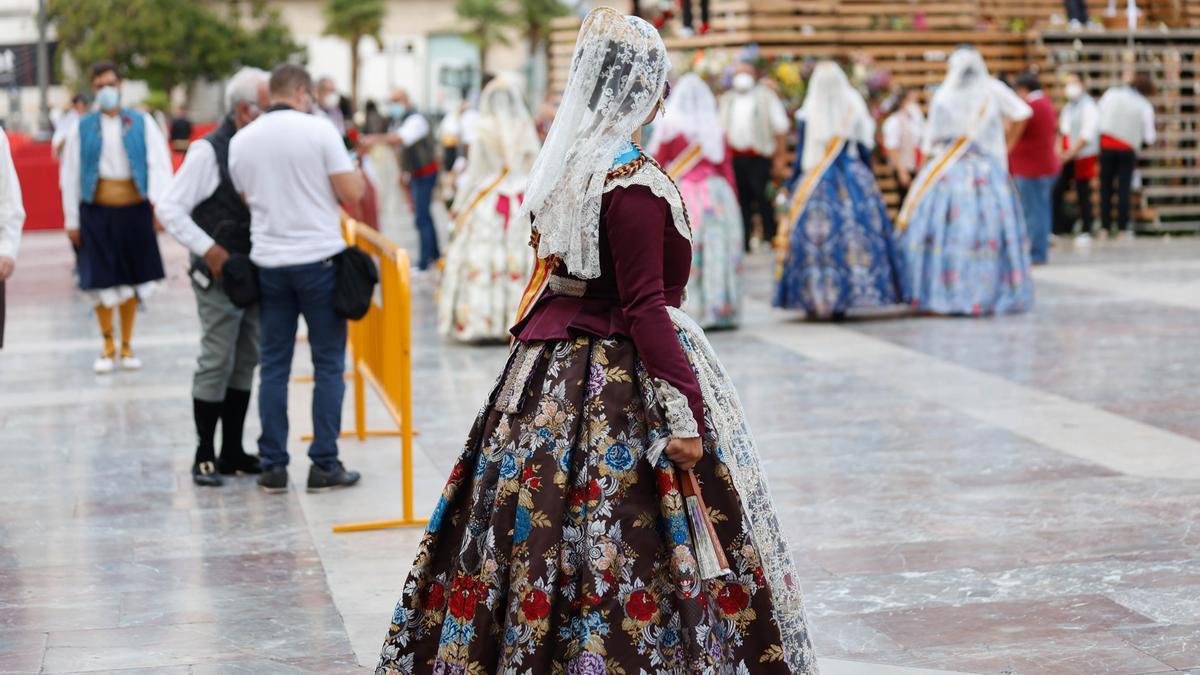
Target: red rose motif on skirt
{"points": [[640, 606], [593, 491], [666, 483], [464, 595], [434, 596], [732, 599], [535, 605]]}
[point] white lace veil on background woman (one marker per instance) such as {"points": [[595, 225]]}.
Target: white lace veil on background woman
{"points": [[971, 103], [691, 112], [617, 76], [506, 138], [832, 108]]}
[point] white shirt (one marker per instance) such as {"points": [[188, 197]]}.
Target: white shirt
{"points": [[196, 181], [12, 210], [902, 133], [114, 163], [281, 163], [469, 124], [1080, 120], [63, 128], [743, 116], [1127, 115], [412, 129]]}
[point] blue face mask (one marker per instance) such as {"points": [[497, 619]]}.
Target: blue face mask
{"points": [[397, 109], [108, 98]]}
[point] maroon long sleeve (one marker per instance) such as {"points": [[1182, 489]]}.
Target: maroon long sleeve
{"points": [[644, 245], [644, 268]]}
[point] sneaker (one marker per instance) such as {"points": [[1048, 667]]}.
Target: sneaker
{"points": [[320, 480], [240, 462], [131, 362], [274, 479], [1127, 235], [205, 474], [103, 365], [1083, 240]]}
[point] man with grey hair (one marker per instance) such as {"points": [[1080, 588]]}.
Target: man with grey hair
{"points": [[205, 213]]}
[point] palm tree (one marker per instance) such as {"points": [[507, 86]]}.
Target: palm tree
{"points": [[353, 20], [534, 17], [489, 20]]}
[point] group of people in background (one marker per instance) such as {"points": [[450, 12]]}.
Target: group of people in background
{"points": [[982, 178]]}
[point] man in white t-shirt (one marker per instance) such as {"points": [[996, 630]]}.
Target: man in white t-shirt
{"points": [[292, 168], [902, 133]]}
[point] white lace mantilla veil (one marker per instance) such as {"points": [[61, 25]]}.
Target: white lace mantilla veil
{"points": [[692, 113], [832, 108], [506, 139], [971, 103], [617, 76]]}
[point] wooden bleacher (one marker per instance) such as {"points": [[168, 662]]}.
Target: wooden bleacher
{"points": [[911, 39]]}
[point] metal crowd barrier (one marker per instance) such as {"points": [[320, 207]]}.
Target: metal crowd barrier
{"points": [[381, 353]]}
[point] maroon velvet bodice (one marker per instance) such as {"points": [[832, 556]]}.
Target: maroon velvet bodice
{"points": [[644, 267]]}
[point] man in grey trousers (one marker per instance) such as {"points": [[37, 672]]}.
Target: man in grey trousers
{"points": [[205, 213]]}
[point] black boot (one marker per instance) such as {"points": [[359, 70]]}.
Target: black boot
{"points": [[204, 469], [233, 418]]}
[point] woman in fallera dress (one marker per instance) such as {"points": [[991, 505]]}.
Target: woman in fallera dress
{"points": [[689, 143], [560, 543], [489, 260], [836, 251], [961, 229]]}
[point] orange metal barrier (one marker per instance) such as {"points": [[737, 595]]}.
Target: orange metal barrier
{"points": [[381, 352]]}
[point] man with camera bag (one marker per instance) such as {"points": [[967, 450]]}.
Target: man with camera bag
{"points": [[203, 211], [291, 168]]}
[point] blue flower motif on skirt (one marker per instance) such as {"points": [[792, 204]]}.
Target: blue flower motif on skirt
{"points": [[522, 526], [439, 512], [401, 615], [508, 467], [668, 638], [618, 457], [677, 525]]}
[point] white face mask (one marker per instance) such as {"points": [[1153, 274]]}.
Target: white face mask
{"points": [[331, 100], [1073, 90], [743, 82]]}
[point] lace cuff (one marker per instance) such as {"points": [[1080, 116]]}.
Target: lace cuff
{"points": [[677, 410]]}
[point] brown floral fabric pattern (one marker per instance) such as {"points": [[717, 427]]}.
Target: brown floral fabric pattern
{"points": [[557, 548]]}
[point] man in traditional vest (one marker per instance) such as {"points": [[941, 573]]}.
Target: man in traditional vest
{"points": [[205, 213], [115, 164], [414, 138], [756, 124]]}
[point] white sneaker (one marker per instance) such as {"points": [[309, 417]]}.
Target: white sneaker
{"points": [[1083, 240], [131, 362], [1127, 235], [103, 365]]}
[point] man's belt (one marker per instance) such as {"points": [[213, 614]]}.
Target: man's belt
{"points": [[117, 193]]}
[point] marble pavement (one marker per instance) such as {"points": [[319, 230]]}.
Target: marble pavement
{"points": [[1009, 495]]}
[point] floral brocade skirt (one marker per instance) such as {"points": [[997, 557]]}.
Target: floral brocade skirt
{"points": [[840, 255], [966, 247], [557, 547]]}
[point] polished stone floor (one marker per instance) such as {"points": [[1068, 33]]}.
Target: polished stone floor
{"points": [[1008, 495]]}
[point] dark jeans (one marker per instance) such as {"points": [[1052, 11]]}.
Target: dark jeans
{"points": [[689, 18], [1077, 10], [1063, 223], [422, 191], [1118, 166], [753, 174], [287, 293]]}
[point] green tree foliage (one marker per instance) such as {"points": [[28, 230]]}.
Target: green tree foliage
{"points": [[489, 21], [353, 20], [534, 17], [169, 43]]}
